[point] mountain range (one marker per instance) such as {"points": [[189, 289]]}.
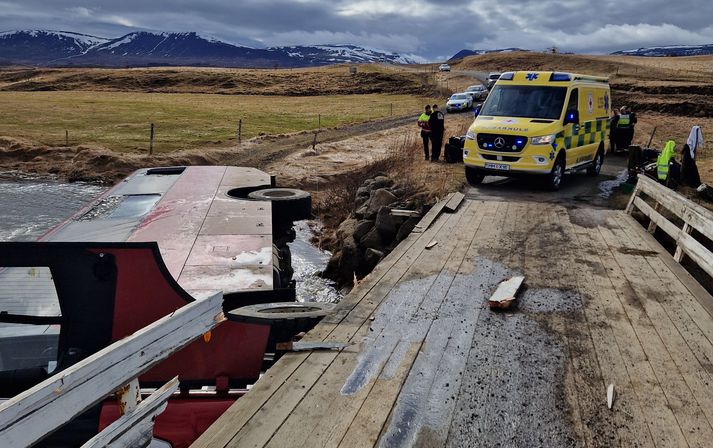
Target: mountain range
{"points": [[670, 50], [465, 53], [63, 48]]}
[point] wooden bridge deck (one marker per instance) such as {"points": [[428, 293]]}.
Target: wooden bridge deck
{"points": [[431, 365]]}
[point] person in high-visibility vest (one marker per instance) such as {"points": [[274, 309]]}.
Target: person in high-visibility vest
{"points": [[664, 159], [425, 129], [625, 127]]}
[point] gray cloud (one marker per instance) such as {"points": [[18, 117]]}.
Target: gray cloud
{"points": [[434, 29]]}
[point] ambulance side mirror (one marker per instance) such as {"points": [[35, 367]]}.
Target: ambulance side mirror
{"points": [[572, 116]]}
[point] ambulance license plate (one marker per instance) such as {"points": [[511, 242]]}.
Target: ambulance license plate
{"points": [[497, 166]]}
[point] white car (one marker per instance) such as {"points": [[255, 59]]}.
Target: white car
{"points": [[478, 92], [492, 79], [444, 68], [459, 102]]}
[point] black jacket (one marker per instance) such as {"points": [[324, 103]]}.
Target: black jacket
{"points": [[437, 122]]}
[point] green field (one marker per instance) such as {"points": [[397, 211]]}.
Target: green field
{"points": [[121, 121]]}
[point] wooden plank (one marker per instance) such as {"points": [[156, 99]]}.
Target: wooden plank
{"points": [[453, 203], [284, 401], [678, 255], [697, 291], [616, 294], [370, 292], [31, 415], [687, 315], [696, 215], [129, 429], [698, 253], [670, 357], [600, 317], [327, 427], [432, 215], [435, 372]]}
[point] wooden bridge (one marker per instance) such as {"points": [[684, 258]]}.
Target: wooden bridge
{"points": [[428, 364]]}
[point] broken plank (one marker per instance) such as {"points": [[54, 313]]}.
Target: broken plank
{"points": [[453, 203]]}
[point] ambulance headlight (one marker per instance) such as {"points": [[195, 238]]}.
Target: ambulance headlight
{"points": [[470, 135], [543, 140]]}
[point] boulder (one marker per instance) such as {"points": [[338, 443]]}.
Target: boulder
{"points": [[362, 228], [372, 257], [381, 182], [363, 211], [343, 263], [363, 191], [379, 198], [406, 229], [372, 240], [386, 224], [346, 229]]}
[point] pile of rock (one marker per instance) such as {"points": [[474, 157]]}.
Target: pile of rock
{"points": [[371, 231]]}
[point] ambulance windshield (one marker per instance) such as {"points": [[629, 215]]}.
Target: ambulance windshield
{"points": [[525, 101]]}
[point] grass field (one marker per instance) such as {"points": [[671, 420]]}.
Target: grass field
{"points": [[121, 121]]}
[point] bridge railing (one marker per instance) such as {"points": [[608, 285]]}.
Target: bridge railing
{"points": [[32, 415], [693, 216]]}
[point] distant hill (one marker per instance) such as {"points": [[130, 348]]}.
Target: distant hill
{"points": [[141, 49], [671, 50], [465, 53]]}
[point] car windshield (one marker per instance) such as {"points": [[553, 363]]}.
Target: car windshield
{"points": [[474, 88], [458, 97], [525, 101], [496, 76]]}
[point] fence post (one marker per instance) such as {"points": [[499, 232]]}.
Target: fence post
{"points": [[240, 130], [314, 142], [151, 141], [319, 121], [66, 138], [391, 109]]}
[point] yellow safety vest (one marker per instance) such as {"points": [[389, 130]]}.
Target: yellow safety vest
{"points": [[624, 121], [664, 159]]}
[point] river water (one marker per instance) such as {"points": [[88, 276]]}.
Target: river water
{"points": [[29, 206]]}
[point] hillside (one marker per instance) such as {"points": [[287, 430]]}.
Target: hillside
{"points": [[333, 80], [678, 86]]}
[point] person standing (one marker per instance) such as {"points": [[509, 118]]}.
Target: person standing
{"points": [[437, 123], [614, 131], [424, 125], [625, 128]]}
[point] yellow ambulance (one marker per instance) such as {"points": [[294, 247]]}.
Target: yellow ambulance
{"points": [[542, 123]]}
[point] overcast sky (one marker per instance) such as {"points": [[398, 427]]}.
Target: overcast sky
{"points": [[433, 29]]}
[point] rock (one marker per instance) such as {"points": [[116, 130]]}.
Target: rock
{"points": [[363, 211], [310, 153], [346, 228], [381, 182], [406, 229], [363, 191], [372, 240], [372, 257], [343, 264], [379, 198], [386, 224], [362, 228]]}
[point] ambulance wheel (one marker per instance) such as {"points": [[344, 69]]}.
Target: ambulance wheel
{"points": [[596, 166], [474, 176], [554, 179]]}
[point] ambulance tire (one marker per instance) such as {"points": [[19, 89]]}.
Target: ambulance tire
{"points": [[474, 176], [596, 166], [554, 179]]}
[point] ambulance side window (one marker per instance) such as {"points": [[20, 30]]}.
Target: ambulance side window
{"points": [[573, 100]]}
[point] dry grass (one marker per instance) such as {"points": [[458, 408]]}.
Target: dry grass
{"points": [[121, 121], [332, 80], [424, 182]]}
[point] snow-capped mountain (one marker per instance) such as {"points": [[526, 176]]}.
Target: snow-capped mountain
{"points": [[670, 50], [31, 46], [147, 48], [335, 54]]}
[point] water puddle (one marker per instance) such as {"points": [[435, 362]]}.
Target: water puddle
{"points": [[308, 261]]}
